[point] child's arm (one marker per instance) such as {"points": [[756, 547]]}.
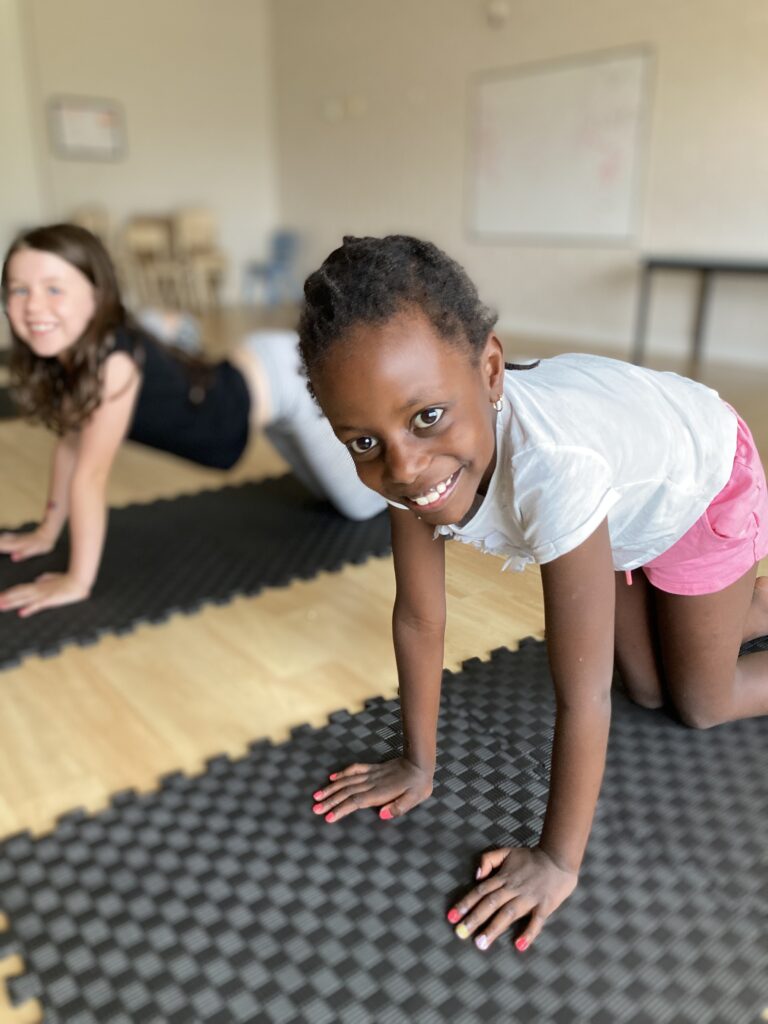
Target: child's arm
{"points": [[100, 439], [579, 606], [579, 598], [40, 541], [418, 625], [418, 629]]}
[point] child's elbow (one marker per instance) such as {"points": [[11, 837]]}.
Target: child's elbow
{"points": [[411, 621], [597, 702]]}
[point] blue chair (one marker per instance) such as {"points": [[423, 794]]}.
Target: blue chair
{"points": [[278, 272]]}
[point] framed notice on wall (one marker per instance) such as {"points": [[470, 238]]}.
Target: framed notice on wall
{"points": [[85, 128]]}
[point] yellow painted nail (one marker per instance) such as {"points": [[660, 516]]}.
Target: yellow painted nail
{"points": [[462, 931]]}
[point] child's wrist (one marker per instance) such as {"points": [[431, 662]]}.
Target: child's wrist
{"points": [[51, 522], [424, 761], [81, 584], [562, 859], [48, 530]]}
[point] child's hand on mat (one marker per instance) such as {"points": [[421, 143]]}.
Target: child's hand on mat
{"points": [[515, 882], [25, 545], [50, 590], [395, 786]]}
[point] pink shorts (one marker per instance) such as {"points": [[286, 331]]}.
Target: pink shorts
{"points": [[727, 540]]}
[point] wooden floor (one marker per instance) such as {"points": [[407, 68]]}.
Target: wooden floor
{"points": [[78, 728]]}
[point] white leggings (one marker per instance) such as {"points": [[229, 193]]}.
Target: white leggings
{"points": [[302, 435]]}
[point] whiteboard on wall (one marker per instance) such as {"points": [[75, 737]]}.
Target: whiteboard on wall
{"points": [[556, 149]]}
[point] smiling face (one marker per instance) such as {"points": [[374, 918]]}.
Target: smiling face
{"points": [[49, 302], [415, 412]]}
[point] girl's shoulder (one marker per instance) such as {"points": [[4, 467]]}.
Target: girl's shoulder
{"points": [[570, 363], [128, 338], [124, 362], [581, 376], [124, 365], [121, 376]]}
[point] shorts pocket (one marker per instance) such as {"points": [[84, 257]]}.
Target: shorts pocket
{"points": [[731, 514]]}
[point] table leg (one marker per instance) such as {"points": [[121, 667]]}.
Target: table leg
{"points": [[641, 315], [700, 322]]}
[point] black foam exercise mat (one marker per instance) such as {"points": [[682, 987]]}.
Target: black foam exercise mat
{"points": [[222, 899], [180, 554]]}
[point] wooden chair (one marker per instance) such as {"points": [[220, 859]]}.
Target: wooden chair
{"points": [[195, 247], [151, 273]]}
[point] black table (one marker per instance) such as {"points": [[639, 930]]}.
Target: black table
{"points": [[706, 267]]}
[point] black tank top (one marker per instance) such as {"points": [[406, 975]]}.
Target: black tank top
{"points": [[200, 416]]}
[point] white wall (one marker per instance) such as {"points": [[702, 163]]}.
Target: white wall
{"points": [[21, 203], [372, 136], [194, 78]]}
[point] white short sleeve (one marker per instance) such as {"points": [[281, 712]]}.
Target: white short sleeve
{"points": [[562, 493]]}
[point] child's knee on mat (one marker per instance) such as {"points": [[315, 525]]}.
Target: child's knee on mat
{"points": [[703, 701], [699, 717], [696, 710], [641, 688], [645, 696]]}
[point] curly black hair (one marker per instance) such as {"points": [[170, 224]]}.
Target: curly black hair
{"points": [[369, 280]]}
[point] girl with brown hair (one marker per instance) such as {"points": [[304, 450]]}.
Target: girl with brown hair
{"points": [[86, 369]]}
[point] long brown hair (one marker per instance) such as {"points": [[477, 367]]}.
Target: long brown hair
{"points": [[63, 395]]}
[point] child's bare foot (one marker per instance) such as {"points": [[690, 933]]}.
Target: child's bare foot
{"points": [[757, 616]]}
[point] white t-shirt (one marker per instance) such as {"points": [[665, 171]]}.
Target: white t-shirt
{"points": [[583, 437]]}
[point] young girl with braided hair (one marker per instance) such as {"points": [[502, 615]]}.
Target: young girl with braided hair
{"points": [[639, 493], [85, 368]]}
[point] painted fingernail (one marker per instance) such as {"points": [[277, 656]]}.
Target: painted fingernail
{"points": [[454, 916], [462, 931], [334, 776], [479, 873], [385, 814], [330, 816], [481, 942], [318, 809], [318, 795], [522, 944]]}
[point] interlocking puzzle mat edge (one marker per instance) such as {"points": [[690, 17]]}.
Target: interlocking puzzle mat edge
{"points": [[177, 555]]}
